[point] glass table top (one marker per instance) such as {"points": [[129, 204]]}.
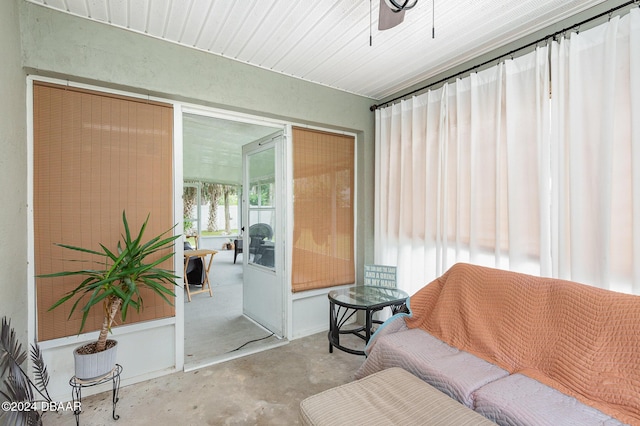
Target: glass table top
{"points": [[366, 296]]}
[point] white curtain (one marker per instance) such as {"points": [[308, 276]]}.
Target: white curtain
{"points": [[518, 169], [596, 135], [459, 170]]}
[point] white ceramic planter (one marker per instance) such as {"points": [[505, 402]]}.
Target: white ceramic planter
{"points": [[92, 366]]}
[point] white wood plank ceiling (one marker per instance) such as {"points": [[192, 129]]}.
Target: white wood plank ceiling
{"points": [[327, 41]]}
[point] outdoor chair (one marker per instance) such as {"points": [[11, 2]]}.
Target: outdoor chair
{"points": [[237, 248]]}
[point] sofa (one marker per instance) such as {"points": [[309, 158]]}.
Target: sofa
{"points": [[519, 349]]}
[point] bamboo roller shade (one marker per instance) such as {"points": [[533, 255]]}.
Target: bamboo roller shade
{"points": [[323, 190], [95, 155]]}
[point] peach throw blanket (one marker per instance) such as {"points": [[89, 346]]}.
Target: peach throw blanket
{"points": [[581, 340]]}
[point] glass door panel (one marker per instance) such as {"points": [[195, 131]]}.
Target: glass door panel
{"points": [[262, 199]]}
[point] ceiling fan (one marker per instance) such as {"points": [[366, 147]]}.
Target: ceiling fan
{"points": [[392, 12]]}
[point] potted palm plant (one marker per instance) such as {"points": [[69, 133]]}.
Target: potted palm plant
{"points": [[116, 285]]}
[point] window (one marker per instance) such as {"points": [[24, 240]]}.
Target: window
{"points": [[95, 155], [323, 191]]}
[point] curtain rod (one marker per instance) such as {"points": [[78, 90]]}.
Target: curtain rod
{"points": [[497, 58]]}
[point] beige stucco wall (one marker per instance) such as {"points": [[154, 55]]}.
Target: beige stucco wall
{"points": [[13, 173], [59, 45]]}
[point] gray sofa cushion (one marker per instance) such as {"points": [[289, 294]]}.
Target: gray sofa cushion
{"points": [[454, 372], [520, 400], [389, 397]]}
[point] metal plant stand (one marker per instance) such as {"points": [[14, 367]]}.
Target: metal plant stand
{"points": [[78, 384]]}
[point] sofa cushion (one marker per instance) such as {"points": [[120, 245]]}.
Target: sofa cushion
{"points": [[454, 372], [520, 400], [389, 397]]}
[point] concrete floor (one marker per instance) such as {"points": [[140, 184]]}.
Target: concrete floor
{"points": [[214, 326], [260, 389]]}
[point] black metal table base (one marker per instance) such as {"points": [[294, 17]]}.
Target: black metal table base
{"points": [[78, 384], [339, 317]]}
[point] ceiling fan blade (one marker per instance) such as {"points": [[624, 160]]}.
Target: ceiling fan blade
{"points": [[388, 18]]}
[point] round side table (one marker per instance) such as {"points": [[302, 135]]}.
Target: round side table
{"points": [[344, 304]]}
